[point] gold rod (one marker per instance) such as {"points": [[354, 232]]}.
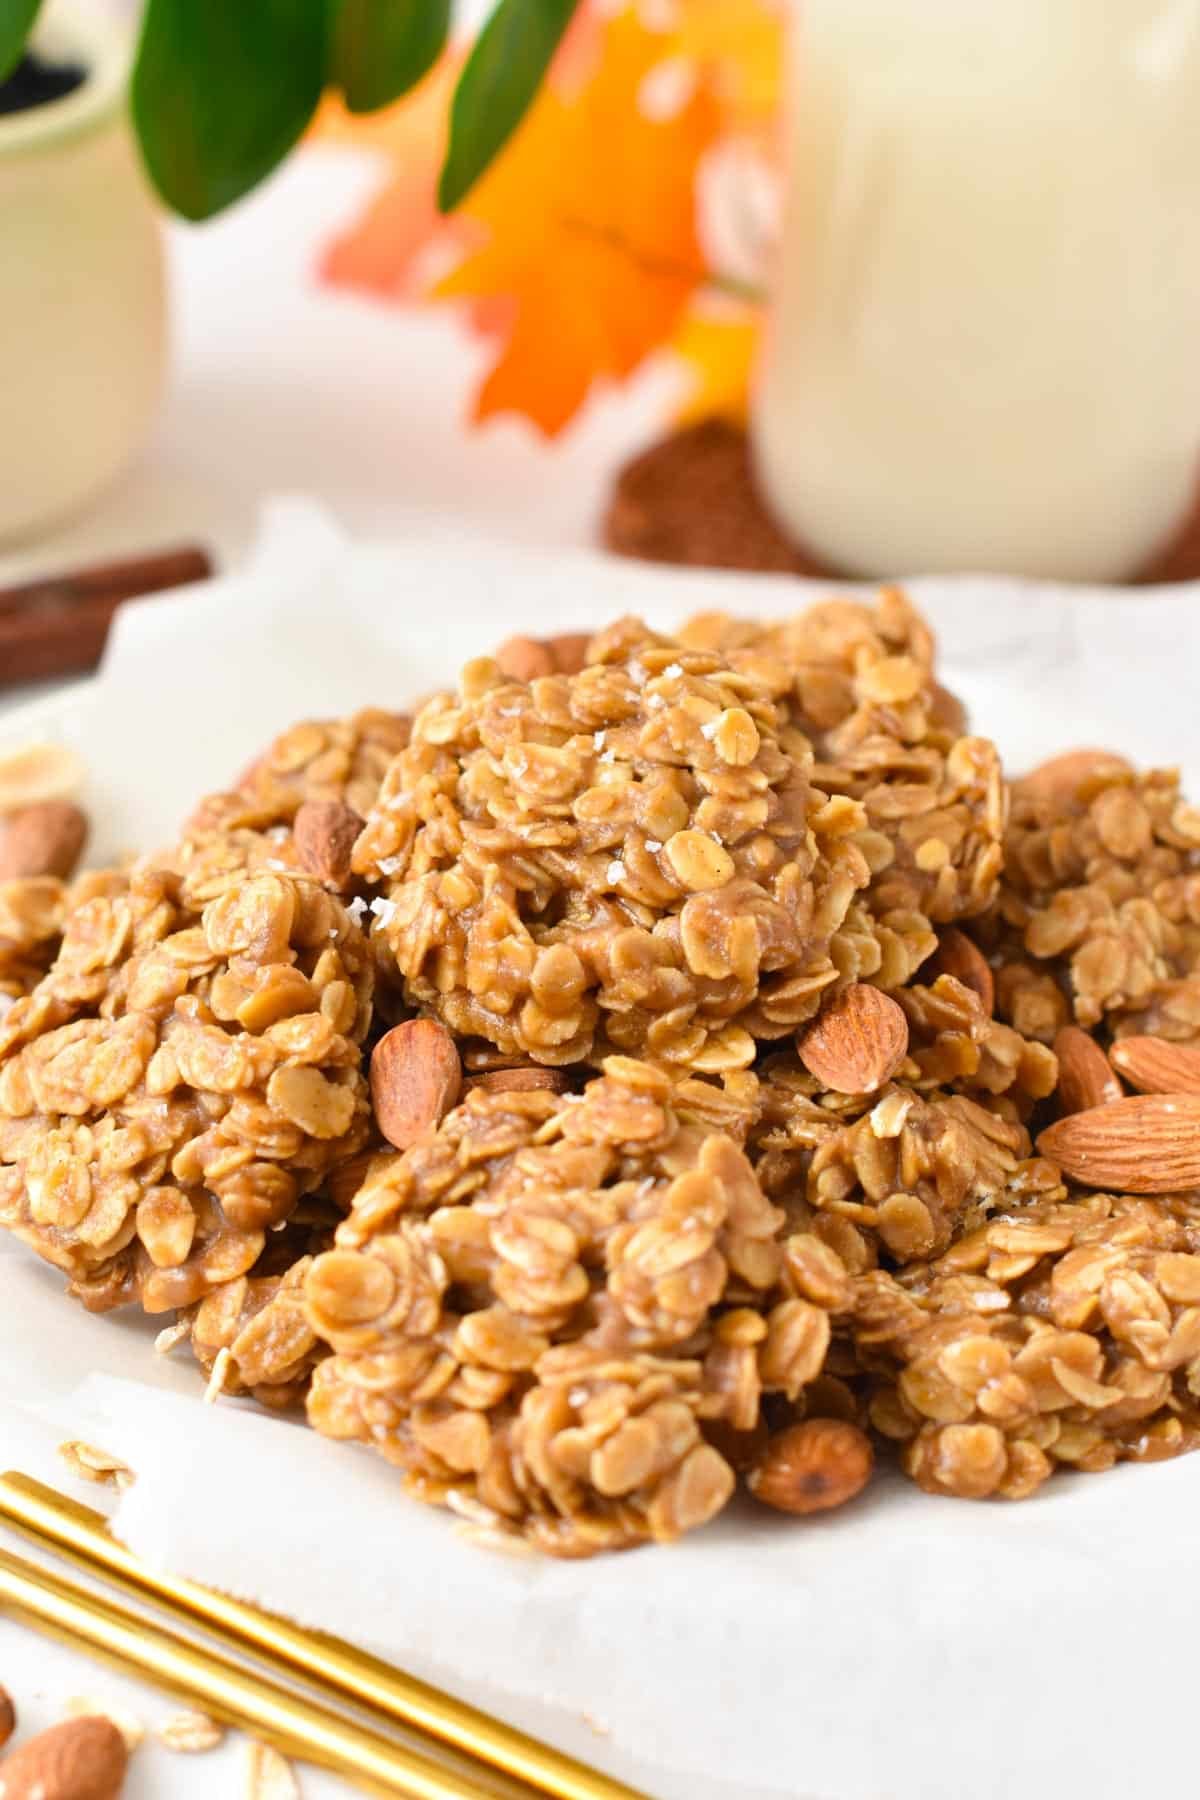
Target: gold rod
{"points": [[80, 1533], [294, 1724]]}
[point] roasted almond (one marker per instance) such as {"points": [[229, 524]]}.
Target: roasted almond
{"points": [[1085, 1076], [325, 833], [958, 956], [1062, 776], [521, 1081], [1146, 1144], [8, 1716], [525, 658], [416, 1077], [858, 1042], [1153, 1066], [46, 838], [568, 651], [812, 1467], [81, 1759]]}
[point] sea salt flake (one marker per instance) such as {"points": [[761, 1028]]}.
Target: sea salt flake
{"points": [[616, 871], [390, 865], [710, 730], [598, 740], [384, 910], [672, 671], [654, 845], [608, 756], [357, 909]]}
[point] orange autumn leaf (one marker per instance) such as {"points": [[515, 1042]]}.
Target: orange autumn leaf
{"points": [[589, 230], [717, 343], [387, 248], [382, 251], [742, 43]]}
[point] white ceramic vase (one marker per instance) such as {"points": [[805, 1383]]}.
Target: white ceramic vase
{"points": [[82, 313], [982, 352]]}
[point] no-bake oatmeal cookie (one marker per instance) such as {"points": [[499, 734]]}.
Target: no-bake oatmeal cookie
{"points": [[623, 859], [178, 1079]]}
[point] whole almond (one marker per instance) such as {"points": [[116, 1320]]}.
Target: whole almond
{"points": [[958, 956], [81, 1759], [1085, 1076], [524, 658], [520, 1081], [812, 1467], [1146, 1144], [1153, 1066], [858, 1042], [325, 832], [8, 1716], [416, 1077], [44, 839], [1061, 776], [568, 651]]}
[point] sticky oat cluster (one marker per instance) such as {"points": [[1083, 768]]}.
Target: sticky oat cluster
{"points": [[659, 1063]]}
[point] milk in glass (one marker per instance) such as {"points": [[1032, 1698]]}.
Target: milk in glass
{"points": [[984, 342]]}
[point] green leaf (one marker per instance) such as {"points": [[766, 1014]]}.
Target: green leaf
{"points": [[16, 22], [222, 89], [501, 77], [381, 48]]}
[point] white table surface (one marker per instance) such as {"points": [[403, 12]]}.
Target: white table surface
{"points": [[280, 385]]}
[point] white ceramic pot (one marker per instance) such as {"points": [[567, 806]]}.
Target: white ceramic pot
{"points": [[982, 345], [82, 315]]}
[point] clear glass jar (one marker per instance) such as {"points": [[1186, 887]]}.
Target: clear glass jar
{"points": [[984, 342]]}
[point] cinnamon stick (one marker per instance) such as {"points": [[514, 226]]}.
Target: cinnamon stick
{"points": [[58, 625]]}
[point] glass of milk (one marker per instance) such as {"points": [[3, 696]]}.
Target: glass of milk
{"points": [[984, 343]]}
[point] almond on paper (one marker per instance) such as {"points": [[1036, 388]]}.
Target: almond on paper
{"points": [[81, 1759], [858, 1042], [1085, 1076], [127, 1722], [1153, 1066], [1146, 1144], [416, 1077]]}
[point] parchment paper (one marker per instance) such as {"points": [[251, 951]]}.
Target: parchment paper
{"points": [[908, 1648]]}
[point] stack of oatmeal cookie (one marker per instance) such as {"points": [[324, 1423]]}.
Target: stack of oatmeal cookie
{"points": [[627, 1078]]}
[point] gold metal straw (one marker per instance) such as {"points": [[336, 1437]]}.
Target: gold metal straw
{"points": [[293, 1723], [56, 1522]]}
